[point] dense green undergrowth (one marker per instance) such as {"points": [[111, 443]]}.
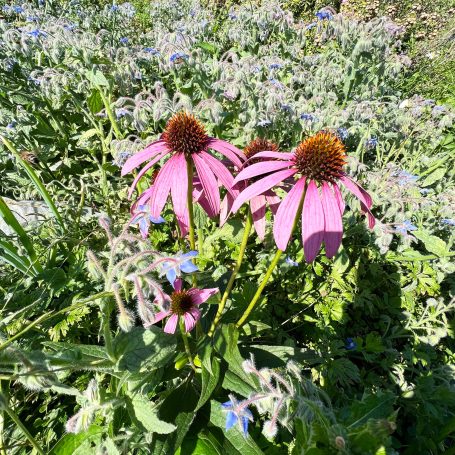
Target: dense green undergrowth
{"points": [[356, 352]]}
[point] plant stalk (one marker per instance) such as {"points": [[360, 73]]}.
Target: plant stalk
{"points": [[15, 418], [246, 233], [186, 343]]}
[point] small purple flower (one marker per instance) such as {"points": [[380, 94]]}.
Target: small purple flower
{"points": [[310, 26], [121, 112], [275, 66], [184, 264], [286, 108], [151, 50], [232, 16], [324, 14], [276, 83], [307, 117], [371, 143], [70, 27], [34, 80], [37, 33], [264, 123], [17, 9], [291, 262], [143, 218], [178, 57], [124, 40], [114, 8], [11, 125], [237, 413], [448, 221], [405, 178], [342, 133], [350, 344], [405, 227], [122, 157]]}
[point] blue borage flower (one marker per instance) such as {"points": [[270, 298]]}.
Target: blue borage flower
{"points": [[323, 14], [308, 117], [371, 143], [405, 178], [178, 57], [151, 50], [448, 221], [237, 413], [121, 112], [264, 123], [275, 66], [350, 344], [124, 40], [37, 33], [291, 262], [342, 133], [143, 218], [405, 227], [184, 263]]}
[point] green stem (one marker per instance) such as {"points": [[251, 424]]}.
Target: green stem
{"points": [[190, 172], [18, 422], [246, 233], [261, 287], [269, 272], [186, 343], [106, 312], [2, 424], [110, 114]]}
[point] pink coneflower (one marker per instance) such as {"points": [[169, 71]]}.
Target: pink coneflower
{"points": [[187, 144], [183, 304], [259, 202], [318, 163]]}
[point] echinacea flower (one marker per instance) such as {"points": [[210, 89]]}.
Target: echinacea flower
{"points": [[318, 165], [257, 203], [185, 143], [183, 304], [143, 218], [237, 412]]}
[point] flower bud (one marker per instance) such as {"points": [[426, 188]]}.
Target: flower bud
{"points": [[125, 320], [270, 429], [340, 442]]}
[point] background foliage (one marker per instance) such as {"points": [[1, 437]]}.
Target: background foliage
{"points": [[83, 86]]}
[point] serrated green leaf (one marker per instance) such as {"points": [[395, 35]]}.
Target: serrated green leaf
{"points": [[78, 444], [142, 349], [209, 381], [145, 415]]}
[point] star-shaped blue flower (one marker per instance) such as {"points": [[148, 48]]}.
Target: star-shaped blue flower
{"points": [[350, 344], [184, 264], [237, 413], [143, 218]]}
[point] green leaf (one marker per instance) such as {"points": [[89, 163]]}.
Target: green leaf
{"points": [[209, 381], [12, 222], [432, 243], [278, 356], [78, 444], [178, 407], [144, 415], [97, 78], [379, 406], [10, 254], [95, 102], [203, 444], [142, 349], [109, 447], [210, 48], [243, 445], [36, 181], [55, 278], [434, 176]]}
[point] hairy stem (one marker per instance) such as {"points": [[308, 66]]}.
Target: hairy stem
{"points": [[15, 418], [246, 233], [186, 343]]}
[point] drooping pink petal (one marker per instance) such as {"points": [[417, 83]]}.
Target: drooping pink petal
{"points": [[189, 320], [144, 170], [208, 182], [263, 167], [228, 150], [204, 203], [261, 186], [171, 324], [333, 230], [144, 155], [312, 222], [273, 200], [279, 155], [257, 206], [364, 198], [196, 312], [162, 186], [339, 198], [286, 213], [157, 318], [225, 208], [178, 284], [179, 192], [199, 296], [220, 171]]}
